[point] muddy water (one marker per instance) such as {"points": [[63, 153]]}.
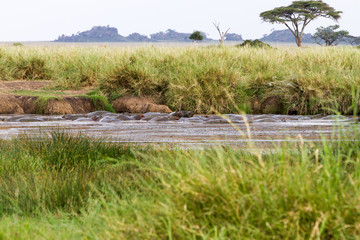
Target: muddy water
{"points": [[202, 130]]}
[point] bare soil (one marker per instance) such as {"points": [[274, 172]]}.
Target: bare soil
{"points": [[8, 87], [14, 102]]}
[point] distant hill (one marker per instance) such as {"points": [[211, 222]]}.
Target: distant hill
{"points": [[233, 37], [173, 36], [137, 37], [170, 35], [285, 36], [110, 34], [96, 34]]}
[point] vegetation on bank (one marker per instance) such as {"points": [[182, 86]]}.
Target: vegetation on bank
{"points": [[253, 43], [71, 187], [202, 79]]}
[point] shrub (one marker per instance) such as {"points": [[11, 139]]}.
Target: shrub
{"points": [[253, 43], [17, 44], [31, 68]]}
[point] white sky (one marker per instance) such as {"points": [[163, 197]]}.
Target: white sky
{"points": [[41, 20]]}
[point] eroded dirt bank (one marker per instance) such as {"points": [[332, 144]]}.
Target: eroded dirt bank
{"points": [[10, 104], [34, 105], [20, 97], [37, 97]]}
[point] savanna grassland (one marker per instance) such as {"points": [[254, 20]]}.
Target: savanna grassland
{"points": [[73, 187], [65, 186], [201, 79]]}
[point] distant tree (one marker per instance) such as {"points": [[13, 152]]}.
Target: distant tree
{"points": [[299, 14], [196, 36], [18, 44], [329, 36], [222, 34]]}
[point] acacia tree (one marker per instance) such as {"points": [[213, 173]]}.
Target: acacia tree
{"points": [[196, 36], [330, 36], [221, 33], [299, 14]]}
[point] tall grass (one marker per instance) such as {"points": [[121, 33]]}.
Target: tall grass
{"points": [[66, 186], [304, 81], [51, 173]]}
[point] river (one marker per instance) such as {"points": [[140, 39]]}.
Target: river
{"points": [[197, 131]]}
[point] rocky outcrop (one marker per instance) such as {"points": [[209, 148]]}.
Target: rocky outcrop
{"points": [[95, 34], [138, 105], [110, 34]]}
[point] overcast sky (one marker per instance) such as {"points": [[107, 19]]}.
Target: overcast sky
{"points": [[41, 20]]}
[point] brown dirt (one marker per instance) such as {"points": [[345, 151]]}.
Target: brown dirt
{"points": [[12, 103], [66, 105], [8, 87], [31, 105], [9, 105], [70, 105], [272, 105]]}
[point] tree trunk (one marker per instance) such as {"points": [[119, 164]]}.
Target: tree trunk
{"points": [[222, 34], [298, 41], [296, 34], [222, 40]]}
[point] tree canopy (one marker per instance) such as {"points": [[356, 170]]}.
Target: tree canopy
{"points": [[329, 36], [196, 36], [299, 14]]}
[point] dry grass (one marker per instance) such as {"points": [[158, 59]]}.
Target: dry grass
{"points": [[306, 81]]}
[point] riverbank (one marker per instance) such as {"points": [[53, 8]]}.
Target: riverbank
{"points": [[66, 186], [204, 79]]}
